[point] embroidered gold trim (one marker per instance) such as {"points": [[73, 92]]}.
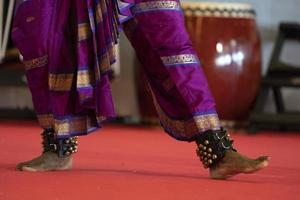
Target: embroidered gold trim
{"points": [[188, 128], [112, 52], [85, 78], [105, 62], [180, 59], [70, 126], [84, 31], [98, 13], [156, 5], [60, 82], [74, 125], [46, 121], [36, 62], [107, 58]]}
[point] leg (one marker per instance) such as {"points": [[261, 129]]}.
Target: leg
{"points": [[67, 53], [182, 97], [26, 36], [183, 101], [56, 154], [216, 152]]}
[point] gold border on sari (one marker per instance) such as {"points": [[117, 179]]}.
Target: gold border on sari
{"points": [[36, 62], [105, 62], [70, 126], [99, 15], [60, 82], [85, 78], [46, 121], [107, 59], [182, 59], [84, 31], [73, 125], [112, 52], [188, 128], [156, 5]]}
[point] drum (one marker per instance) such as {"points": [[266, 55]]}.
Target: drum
{"points": [[226, 38]]}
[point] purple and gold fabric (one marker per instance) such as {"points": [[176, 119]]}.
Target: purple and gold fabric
{"points": [[68, 49]]}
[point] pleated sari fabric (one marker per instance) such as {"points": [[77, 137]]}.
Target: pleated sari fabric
{"points": [[68, 51]]}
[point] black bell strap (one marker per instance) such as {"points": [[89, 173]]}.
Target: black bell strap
{"points": [[212, 146], [63, 147]]}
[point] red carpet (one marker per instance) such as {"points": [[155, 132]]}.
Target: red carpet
{"points": [[123, 163]]}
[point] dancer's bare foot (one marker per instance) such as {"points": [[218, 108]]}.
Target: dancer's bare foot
{"points": [[48, 161], [234, 163]]}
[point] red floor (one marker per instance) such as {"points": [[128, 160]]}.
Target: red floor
{"points": [[139, 163]]}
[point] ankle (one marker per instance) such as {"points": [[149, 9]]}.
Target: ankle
{"points": [[212, 146], [61, 147]]}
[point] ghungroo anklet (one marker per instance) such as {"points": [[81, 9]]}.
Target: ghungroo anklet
{"points": [[63, 147], [212, 145]]}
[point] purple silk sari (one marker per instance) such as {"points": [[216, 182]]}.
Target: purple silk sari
{"points": [[68, 49]]}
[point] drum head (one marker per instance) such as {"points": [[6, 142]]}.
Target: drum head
{"points": [[208, 9]]}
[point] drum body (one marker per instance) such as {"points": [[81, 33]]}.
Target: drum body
{"points": [[226, 39]]}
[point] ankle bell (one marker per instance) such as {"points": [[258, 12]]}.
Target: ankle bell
{"points": [[62, 147], [212, 146]]}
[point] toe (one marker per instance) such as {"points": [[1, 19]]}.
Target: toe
{"points": [[263, 164], [263, 161], [263, 158]]}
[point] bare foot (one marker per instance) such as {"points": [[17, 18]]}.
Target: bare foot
{"points": [[48, 161], [234, 163]]}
